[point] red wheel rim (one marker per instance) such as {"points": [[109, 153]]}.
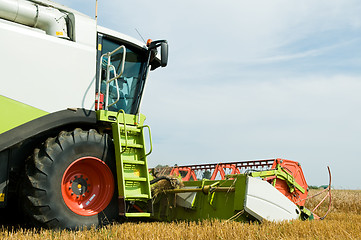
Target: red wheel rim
{"points": [[87, 186]]}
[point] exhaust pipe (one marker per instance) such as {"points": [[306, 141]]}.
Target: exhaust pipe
{"points": [[51, 20]]}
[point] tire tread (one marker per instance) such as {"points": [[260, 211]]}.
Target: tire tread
{"points": [[42, 165]]}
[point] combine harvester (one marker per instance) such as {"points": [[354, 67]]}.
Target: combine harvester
{"points": [[72, 138]]}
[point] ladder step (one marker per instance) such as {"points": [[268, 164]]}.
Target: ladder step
{"points": [[140, 214], [130, 129], [137, 196], [133, 162], [135, 179], [132, 145]]}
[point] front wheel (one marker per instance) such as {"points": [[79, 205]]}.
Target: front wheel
{"points": [[71, 181]]}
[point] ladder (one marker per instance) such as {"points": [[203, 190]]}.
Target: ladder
{"points": [[134, 192]]}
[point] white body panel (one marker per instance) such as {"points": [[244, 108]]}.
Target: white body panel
{"points": [[47, 72], [263, 201]]}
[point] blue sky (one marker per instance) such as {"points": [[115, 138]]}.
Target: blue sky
{"points": [[251, 80]]}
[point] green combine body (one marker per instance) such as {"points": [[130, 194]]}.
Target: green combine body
{"points": [[15, 113]]}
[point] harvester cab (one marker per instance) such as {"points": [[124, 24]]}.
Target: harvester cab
{"points": [[122, 72]]}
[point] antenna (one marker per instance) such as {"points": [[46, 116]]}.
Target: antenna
{"points": [[96, 10], [140, 35]]}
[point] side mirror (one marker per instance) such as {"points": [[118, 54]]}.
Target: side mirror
{"points": [[164, 54], [163, 44]]}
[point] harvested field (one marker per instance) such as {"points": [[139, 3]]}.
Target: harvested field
{"points": [[343, 222]]}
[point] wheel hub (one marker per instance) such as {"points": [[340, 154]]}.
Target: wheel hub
{"points": [[79, 186]]}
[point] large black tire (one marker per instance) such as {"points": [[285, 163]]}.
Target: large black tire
{"points": [[43, 198]]}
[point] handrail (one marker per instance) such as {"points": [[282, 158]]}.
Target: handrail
{"points": [[108, 79], [125, 131], [150, 140], [107, 87], [123, 61]]}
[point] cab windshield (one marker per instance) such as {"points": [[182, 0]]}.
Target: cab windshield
{"points": [[130, 84]]}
